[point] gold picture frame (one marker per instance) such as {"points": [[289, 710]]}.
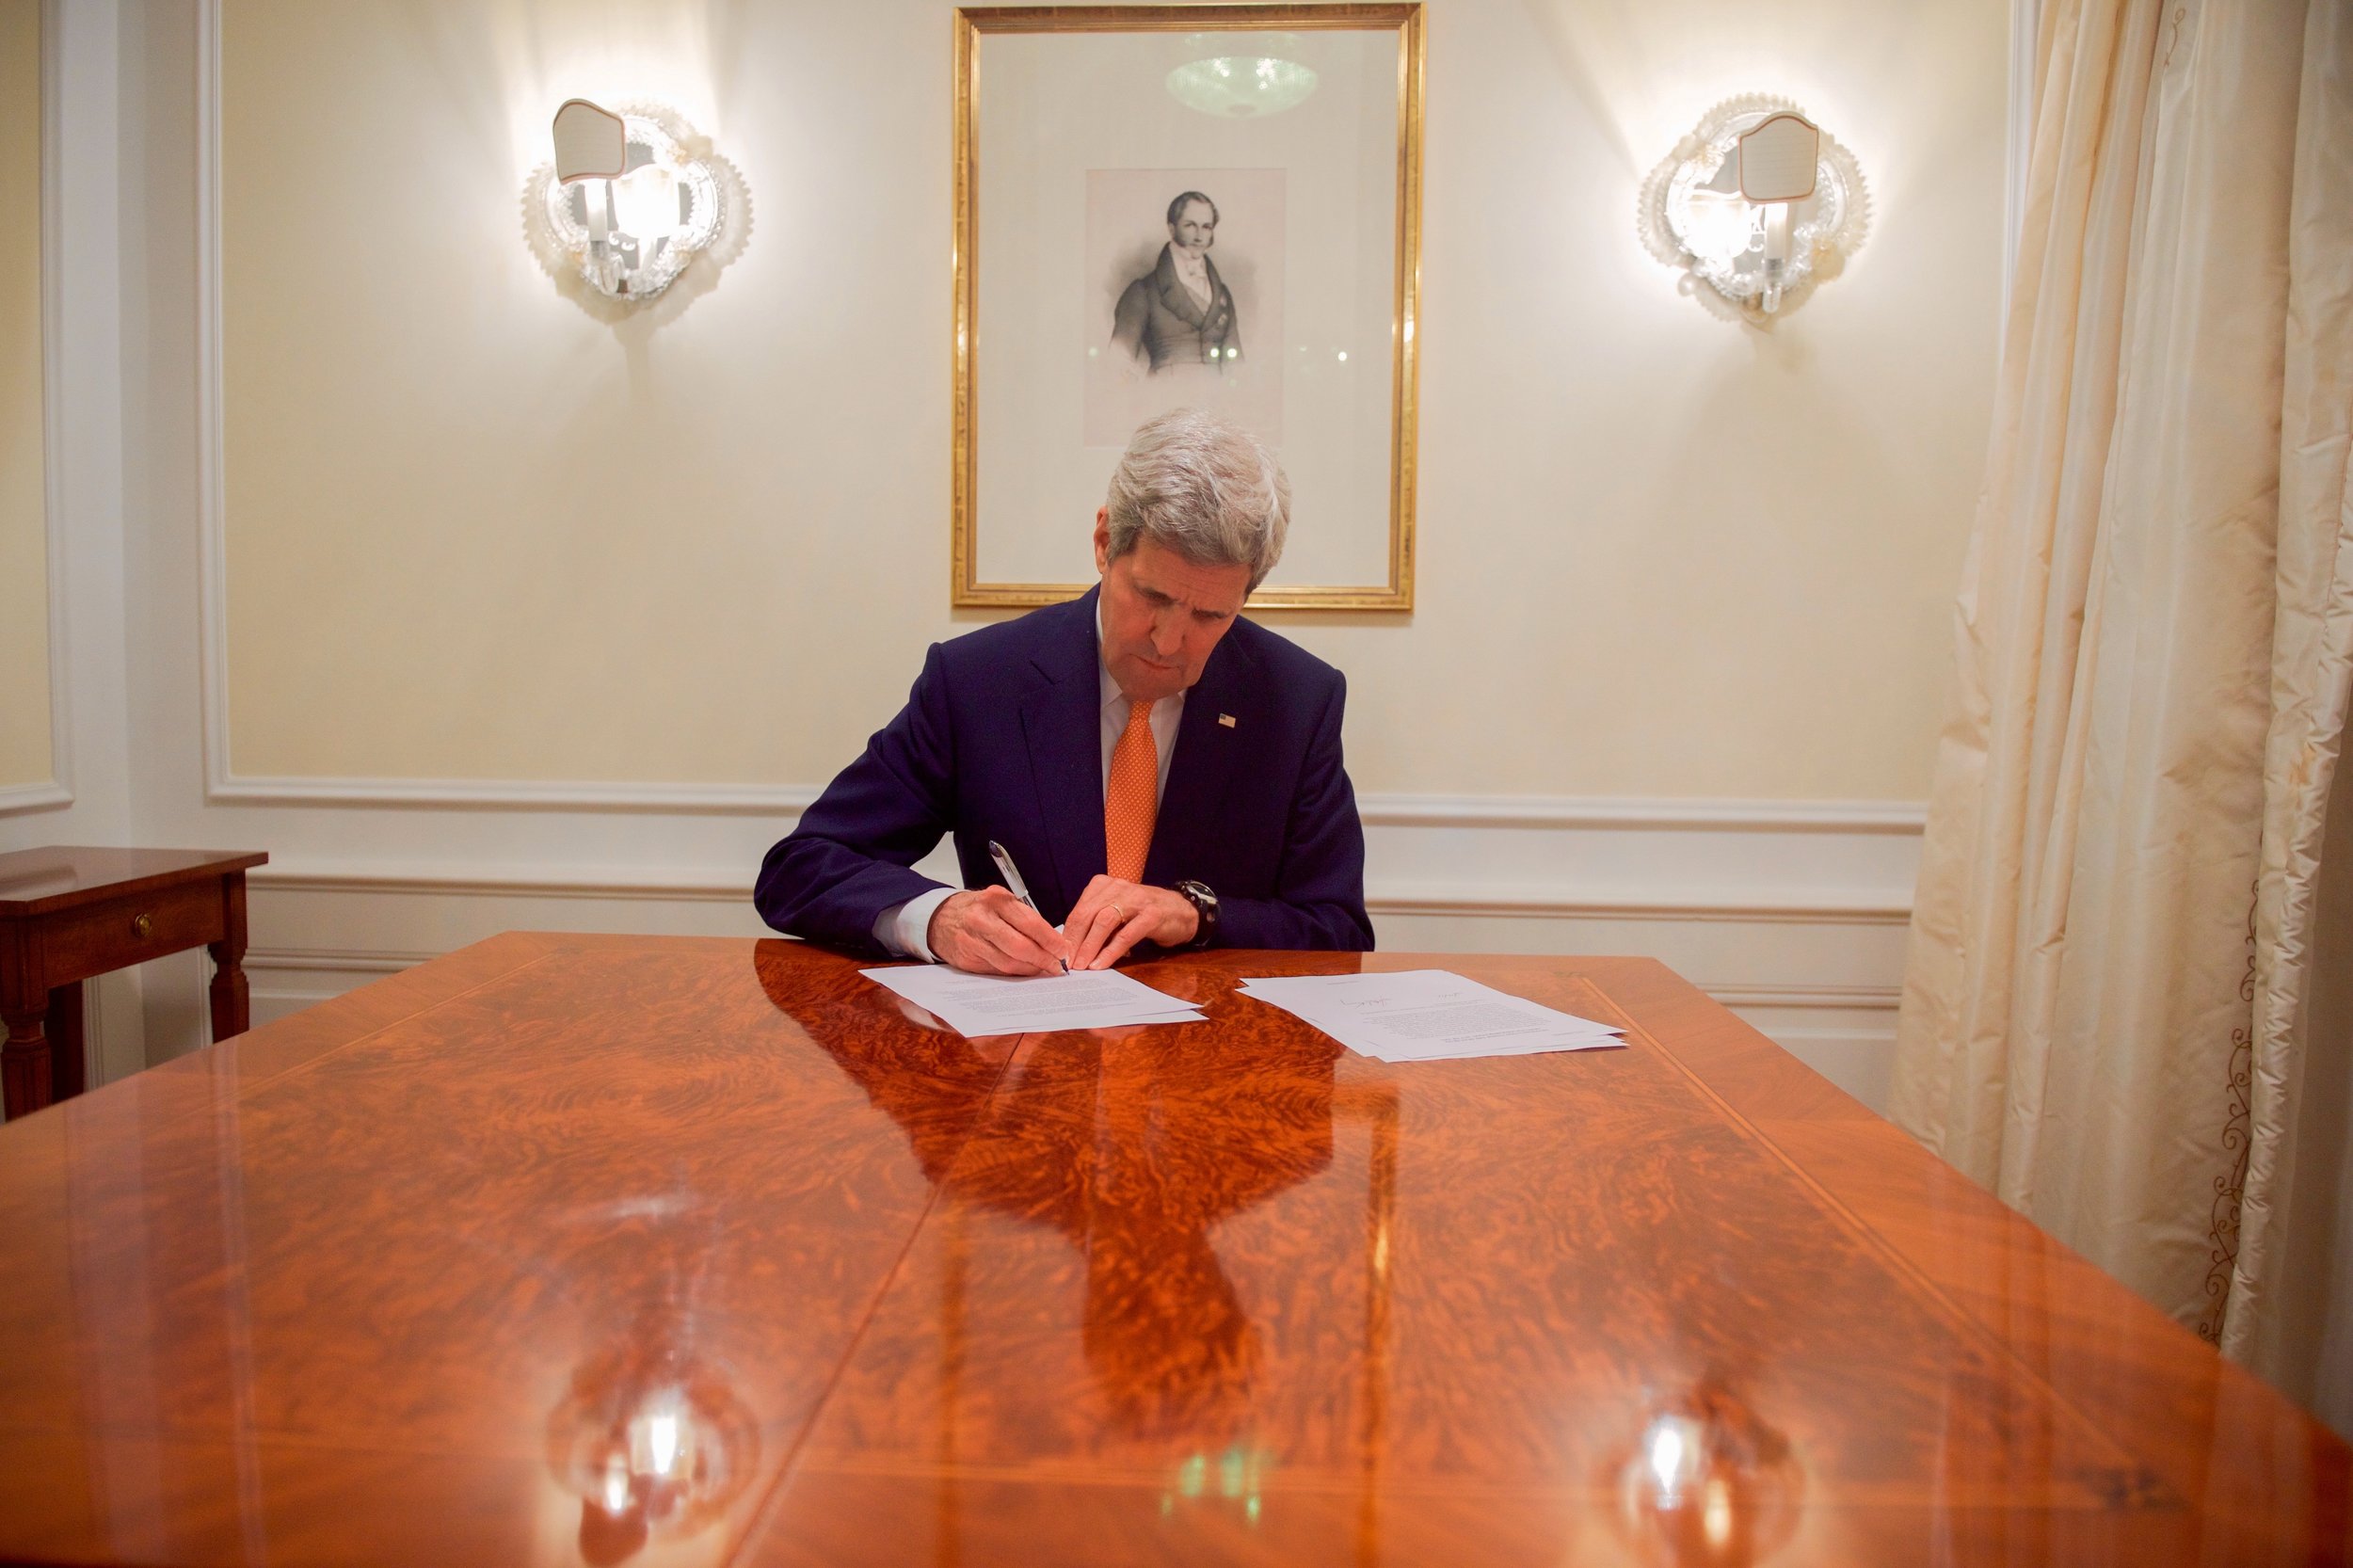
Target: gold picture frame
{"points": [[973, 25]]}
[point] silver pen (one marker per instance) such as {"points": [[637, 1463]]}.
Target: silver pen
{"points": [[1021, 890]]}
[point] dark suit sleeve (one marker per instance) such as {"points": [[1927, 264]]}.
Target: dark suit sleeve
{"points": [[1319, 892], [847, 861], [1127, 318]]}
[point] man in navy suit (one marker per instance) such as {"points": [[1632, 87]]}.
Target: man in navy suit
{"points": [[1157, 769]]}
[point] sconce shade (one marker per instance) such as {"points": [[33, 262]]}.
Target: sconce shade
{"points": [[591, 143], [1778, 158]]}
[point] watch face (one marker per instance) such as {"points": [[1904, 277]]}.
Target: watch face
{"points": [[1203, 903]]}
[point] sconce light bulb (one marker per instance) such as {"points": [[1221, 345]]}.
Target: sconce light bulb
{"points": [[646, 204]]}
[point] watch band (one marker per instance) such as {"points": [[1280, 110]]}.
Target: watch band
{"points": [[1204, 901]]}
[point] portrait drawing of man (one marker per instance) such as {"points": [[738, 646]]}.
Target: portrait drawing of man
{"points": [[1180, 312]]}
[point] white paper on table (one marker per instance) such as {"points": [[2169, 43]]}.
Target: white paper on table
{"points": [[1006, 1004], [1427, 1014]]}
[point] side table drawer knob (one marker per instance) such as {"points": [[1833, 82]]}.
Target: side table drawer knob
{"points": [[142, 926]]}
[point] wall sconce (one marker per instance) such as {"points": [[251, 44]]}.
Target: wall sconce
{"points": [[1758, 202], [624, 201], [1239, 75]]}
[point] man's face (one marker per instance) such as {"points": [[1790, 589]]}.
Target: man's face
{"points": [[1195, 229], [1163, 614]]}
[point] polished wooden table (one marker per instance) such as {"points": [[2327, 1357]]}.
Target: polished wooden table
{"points": [[573, 1249], [70, 912]]}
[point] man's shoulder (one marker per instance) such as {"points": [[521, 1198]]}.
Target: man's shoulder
{"points": [[1008, 643], [1289, 664]]}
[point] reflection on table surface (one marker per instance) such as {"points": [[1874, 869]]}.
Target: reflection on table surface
{"points": [[654, 1250]]}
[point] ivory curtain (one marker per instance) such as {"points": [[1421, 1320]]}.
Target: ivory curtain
{"points": [[2152, 644], [2290, 1275]]}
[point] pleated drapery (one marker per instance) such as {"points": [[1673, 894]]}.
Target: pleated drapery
{"points": [[2079, 1028], [2286, 1284]]}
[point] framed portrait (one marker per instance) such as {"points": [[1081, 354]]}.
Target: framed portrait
{"points": [[1212, 206]]}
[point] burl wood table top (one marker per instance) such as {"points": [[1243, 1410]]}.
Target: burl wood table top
{"points": [[570, 1249]]}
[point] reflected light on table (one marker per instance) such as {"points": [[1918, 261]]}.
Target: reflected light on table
{"points": [[1708, 1484], [1236, 1477], [654, 1447]]}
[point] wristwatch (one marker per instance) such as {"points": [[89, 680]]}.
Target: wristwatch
{"points": [[1203, 903]]}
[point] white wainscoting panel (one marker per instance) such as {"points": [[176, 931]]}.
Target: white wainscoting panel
{"points": [[1793, 917]]}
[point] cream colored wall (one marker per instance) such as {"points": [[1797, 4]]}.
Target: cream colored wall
{"points": [[24, 735], [473, 532]]}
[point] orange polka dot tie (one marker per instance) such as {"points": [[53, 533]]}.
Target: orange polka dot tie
{"points": [[1131, 799]]}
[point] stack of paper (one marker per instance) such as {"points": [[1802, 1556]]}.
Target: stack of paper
{"points": [[1001, 1004], [1425, 1015]]}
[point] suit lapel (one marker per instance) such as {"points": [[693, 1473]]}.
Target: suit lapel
{"points": [[1061, 724], [1207, 750], [1176, 296]]}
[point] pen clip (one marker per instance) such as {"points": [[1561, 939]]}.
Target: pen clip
{"points": [[1006, 869], [1014, 884]]}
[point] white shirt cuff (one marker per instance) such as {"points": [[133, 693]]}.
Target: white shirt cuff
{"points": [[903, 927]]}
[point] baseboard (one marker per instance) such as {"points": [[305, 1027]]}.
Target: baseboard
{"points": [[41, 797]]}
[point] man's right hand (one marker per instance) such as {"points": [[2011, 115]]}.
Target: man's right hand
{"points": [[991, 932]]}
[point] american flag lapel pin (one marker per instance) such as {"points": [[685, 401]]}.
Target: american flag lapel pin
{"points": [[1226, 719]]}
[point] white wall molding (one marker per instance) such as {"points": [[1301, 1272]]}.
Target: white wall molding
{"points": [[52, 410], [496, 795], [1378, 810], [1809, 905], [672, 886], [58, 789], [1812, 905], [1556, 811], [41, 797], [300, 961], [1857, 998], [211, 436]]}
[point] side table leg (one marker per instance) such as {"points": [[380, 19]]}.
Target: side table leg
{"points": [[231, 1011], [25, 1062], [66, 1053]]}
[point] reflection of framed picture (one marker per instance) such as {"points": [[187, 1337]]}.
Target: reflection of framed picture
{"points": [[1164, 206]]}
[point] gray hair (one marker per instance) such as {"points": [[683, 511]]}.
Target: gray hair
{"points": [[1207, 489]]}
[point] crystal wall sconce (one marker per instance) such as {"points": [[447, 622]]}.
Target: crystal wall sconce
{"points": [[1758, 204], [625, 204]]}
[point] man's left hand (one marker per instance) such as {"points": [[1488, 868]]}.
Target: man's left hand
{"points": [[1112, 917]]}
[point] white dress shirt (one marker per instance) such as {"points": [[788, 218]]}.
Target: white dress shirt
{"points": [[904, 927], [1192, 271]]}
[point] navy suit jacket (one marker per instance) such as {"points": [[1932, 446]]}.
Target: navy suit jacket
{"points": [[1001, 738]]}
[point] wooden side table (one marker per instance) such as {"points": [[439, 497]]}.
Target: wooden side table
{"points": [[69, 913]]}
